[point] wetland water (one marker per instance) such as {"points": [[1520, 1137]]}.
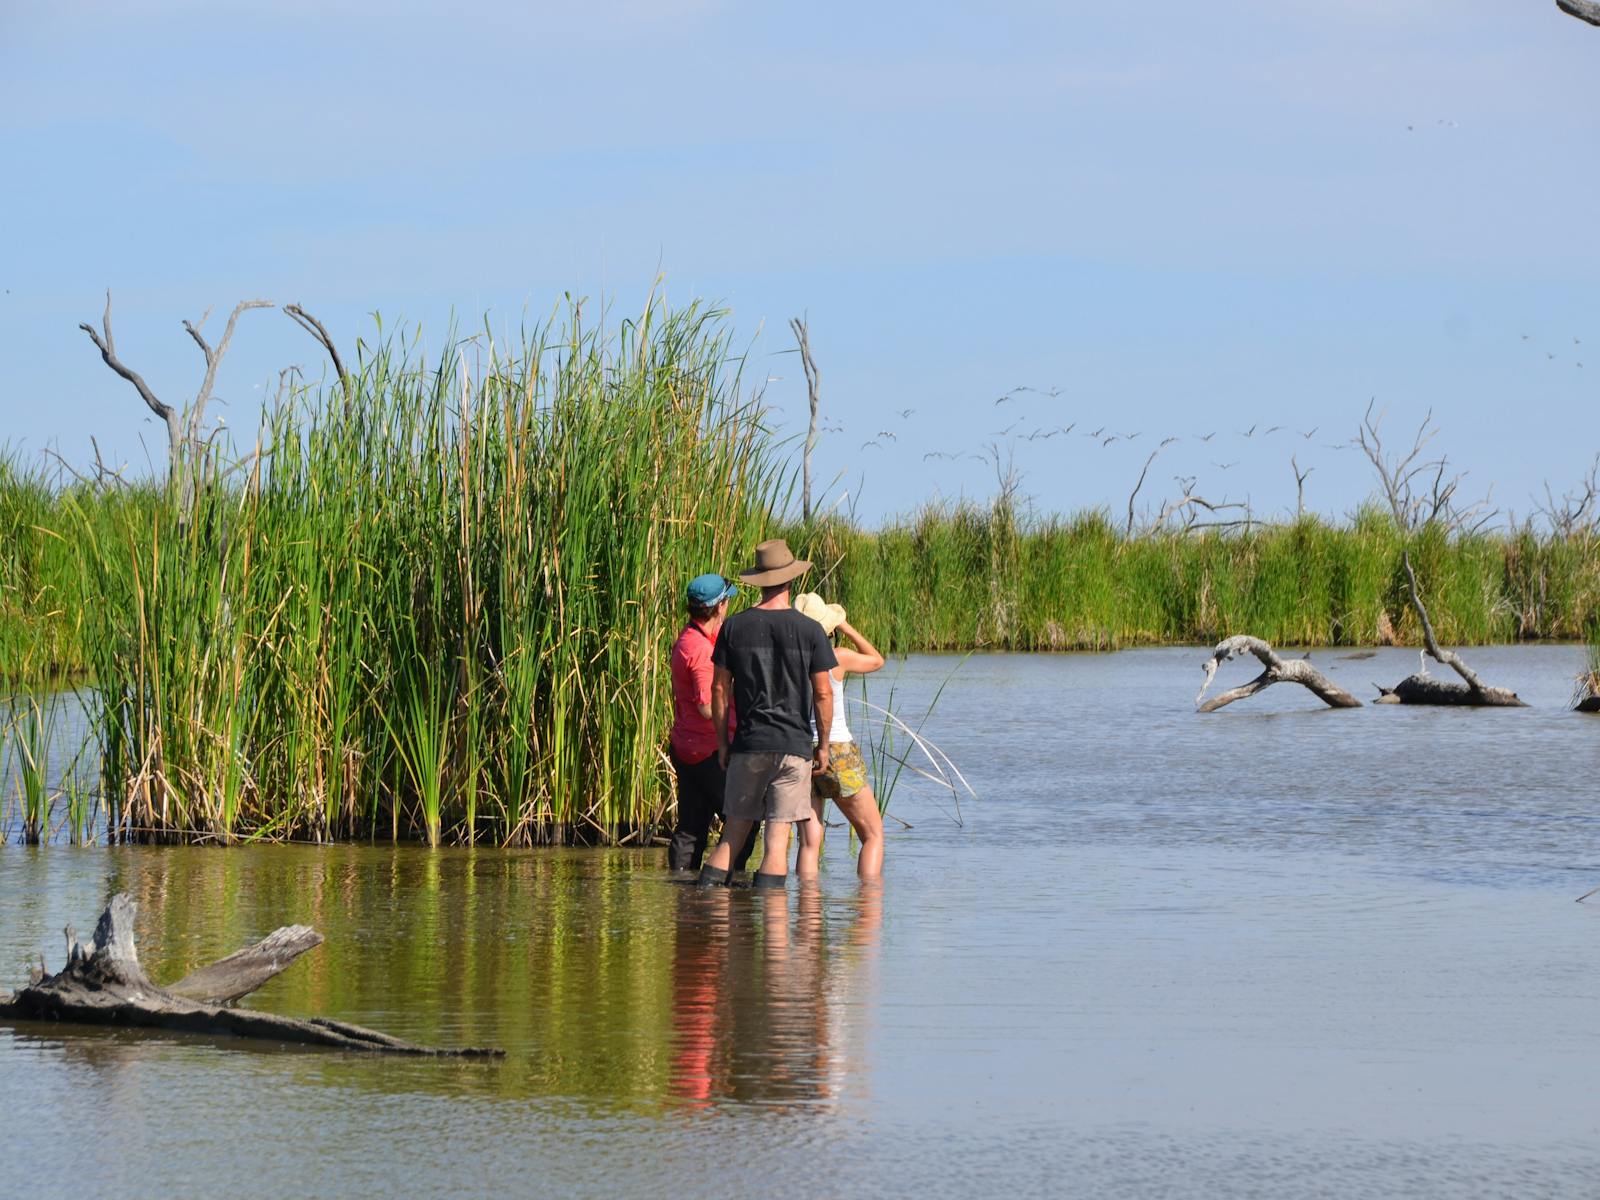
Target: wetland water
{"points": [[1280, 950]]}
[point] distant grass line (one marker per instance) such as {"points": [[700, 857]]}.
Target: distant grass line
{"points": [[965, 577]]}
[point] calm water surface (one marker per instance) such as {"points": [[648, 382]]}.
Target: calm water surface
{"points": [[1276, 951]]}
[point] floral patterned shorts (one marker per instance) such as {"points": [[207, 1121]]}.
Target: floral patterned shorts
{"points": [[846, 774]]}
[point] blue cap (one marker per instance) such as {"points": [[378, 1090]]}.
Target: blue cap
{"points": [[706, 590]]}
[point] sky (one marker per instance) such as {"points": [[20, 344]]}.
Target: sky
{"points": [[1165, 221]]}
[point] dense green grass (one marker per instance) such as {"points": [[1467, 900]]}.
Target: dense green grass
{"points": [[440, 608], [959, 578]]}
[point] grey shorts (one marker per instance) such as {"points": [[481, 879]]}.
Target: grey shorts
{"points": [[767, 786]]}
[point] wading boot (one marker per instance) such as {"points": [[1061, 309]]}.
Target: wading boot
{"points": [[761, 881], [711, 877]]}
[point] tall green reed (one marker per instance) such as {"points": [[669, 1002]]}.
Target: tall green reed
{"points": [[437, 606]]}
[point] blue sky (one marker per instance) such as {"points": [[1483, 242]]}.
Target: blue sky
{"points": [[1179, 218]]}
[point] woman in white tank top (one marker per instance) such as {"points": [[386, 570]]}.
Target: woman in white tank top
{"points": [[845, 780]]}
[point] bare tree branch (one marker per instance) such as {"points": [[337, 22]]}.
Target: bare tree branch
{"points": [[1584, 10], [1189, 504], [1400, 478], [108, 352], [197, 411], [1300, 478], [1575, 512], [1134, 494], [814, 396], [319, 331]]}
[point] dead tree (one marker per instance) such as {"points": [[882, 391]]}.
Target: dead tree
{"points": [[1415, 500], [1422, 688], [1185, 510], [1300, 478], [1575, 512], [1584, 10], [1278, 670], [814, 397], [1135, 493], [103, 984], [183, 435]]}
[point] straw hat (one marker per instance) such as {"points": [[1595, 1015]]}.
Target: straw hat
{"points": [[775, 564], [829, 616]]}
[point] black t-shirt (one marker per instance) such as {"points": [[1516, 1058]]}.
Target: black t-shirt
{"points": [[772, 654]]}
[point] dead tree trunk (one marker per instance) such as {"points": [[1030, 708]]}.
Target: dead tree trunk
{"points": [[1278, 670], [1422, 688], [814, 398], [103, 984]]}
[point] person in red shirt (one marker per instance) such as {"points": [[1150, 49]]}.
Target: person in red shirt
{"points": [[701, 777]]}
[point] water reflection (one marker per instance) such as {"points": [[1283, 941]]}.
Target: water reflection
{"points": [[769, 1006]]}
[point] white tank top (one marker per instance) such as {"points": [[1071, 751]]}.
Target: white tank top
{"points": [[840, 730]]}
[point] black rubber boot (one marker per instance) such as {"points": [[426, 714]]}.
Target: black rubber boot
{"points": [[760, 881], [711, 877]]}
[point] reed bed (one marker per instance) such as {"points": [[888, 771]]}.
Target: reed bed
{"points": [[965, 577], [434, 603]]}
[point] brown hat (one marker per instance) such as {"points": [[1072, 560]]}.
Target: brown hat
{"points": [[775, 564]]}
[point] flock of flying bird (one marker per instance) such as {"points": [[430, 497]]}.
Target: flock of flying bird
{"points": [[1103, 435]]}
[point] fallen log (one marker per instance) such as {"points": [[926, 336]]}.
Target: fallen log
{"points": [[1278, 670], [1422, 688], [242, 972], [103, 984]]}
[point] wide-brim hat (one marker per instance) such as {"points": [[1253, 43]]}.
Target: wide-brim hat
{"points": [[829, 616], [775, 564]]}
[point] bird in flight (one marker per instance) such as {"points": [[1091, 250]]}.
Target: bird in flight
{"points": [[1007, 429], [1272, 431], [1209, 436], [866, 445], [1168, 441], [1097, 432], [1108, 441], [1309, 432], [936, 454], [1226, 466], [906, 412], [884, 433], [1249, 432]]}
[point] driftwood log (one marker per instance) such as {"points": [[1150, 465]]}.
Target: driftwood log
{"points": [[1422, 688], [103, 984], [1278, 670]]}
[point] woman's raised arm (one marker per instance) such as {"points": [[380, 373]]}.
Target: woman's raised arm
{"points": [[864, 659]]}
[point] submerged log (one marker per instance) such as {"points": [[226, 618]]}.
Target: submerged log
{"points": [[103, 984], [1422, 688], [1278, 670]]}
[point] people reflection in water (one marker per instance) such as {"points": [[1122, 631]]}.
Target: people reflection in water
{"points": [[767, 1007]]}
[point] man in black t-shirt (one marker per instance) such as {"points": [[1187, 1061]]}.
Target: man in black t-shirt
{"points": [[773, 663]]}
